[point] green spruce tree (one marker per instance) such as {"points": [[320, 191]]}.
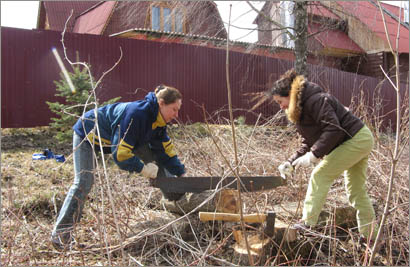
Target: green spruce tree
{"points": [[72, 107]]}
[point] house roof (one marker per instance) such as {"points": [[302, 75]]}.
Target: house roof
{"points": [[369, 14], [334, 40], [93, 21], [58, 12], [108, 17], [315, 8], [196, 39], [127, 14], [201, 16], [264, 10]]}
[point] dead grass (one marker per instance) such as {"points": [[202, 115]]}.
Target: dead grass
{"points": [[33, 191]]}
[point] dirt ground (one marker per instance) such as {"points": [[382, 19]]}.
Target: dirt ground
{"points": [[124, 223]]}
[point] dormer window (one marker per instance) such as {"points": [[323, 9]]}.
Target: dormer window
{"points": [[165, 17]]}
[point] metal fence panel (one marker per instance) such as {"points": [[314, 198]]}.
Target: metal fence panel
{"points": [[29, 70]]}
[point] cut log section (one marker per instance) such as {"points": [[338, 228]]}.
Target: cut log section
{"points": [[282, 229], [227, 201]]}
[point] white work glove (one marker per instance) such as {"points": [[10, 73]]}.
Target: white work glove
{"points": [[285, 169], [149, 170], [305, 160]]}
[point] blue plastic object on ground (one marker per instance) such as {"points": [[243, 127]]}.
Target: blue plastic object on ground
{"points": [[38, 156], [48, 154], [59, 158]]}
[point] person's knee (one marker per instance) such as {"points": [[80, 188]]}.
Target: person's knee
{"points": [[88, 185], [356, 193], [83, 186]]}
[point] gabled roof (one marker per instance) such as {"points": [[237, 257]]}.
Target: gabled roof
{"points": [[334, 40], [94, 20], [316, 8], [201, 16], [59, 11], [365, 11], [369, 14], [209, 41], [313, 8], [109, 17]]}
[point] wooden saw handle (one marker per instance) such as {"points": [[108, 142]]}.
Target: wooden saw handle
{"points": [[231, 217]]}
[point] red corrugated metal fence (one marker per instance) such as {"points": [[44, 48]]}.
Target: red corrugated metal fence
{"points": [[28, 69]]}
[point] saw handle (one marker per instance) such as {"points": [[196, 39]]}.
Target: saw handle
{"points": [[232, 217]]}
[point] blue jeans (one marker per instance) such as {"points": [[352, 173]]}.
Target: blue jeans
{"points": [[73, 205], [83, 159]]}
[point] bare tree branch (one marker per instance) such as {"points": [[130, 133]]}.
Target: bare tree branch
{"points": [[394, 159]]}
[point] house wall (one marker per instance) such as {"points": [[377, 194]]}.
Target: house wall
{"points": [[272, 37], [374, 47], [274, 14], [204, 19], [127, 15], [201, 17], [264, 37], [403, 68], [370, 65], [28, 75]]}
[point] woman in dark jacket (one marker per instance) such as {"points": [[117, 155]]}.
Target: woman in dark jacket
{"points": [[135, 134], [334, 139]]}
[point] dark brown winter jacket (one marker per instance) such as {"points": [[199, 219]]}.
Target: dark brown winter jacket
{"points": [[321, 120]]}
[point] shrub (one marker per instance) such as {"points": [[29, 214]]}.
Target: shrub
{"points": [[69, 110]]}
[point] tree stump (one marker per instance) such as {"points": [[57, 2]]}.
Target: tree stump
{"points": [[223, 201]]}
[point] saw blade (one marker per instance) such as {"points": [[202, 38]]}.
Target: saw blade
{"points": [[200, 184]]}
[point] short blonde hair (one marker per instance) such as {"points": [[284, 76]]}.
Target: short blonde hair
{"points": [[168, 93]]}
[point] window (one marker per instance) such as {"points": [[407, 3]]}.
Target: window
{"points": [[167, 18], [156, 18], [179, 21]]}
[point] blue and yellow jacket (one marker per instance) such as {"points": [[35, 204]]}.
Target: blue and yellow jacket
{"points": [[124, 127]]}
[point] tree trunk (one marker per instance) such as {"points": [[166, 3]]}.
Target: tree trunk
{"points": [[300, 11]]}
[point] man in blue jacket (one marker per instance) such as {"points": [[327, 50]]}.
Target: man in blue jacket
{"points": [[135, 133]]}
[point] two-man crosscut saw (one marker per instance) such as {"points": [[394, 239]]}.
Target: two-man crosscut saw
{"points": [[199, 184]]}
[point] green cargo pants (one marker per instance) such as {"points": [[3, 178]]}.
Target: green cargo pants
{"points": [[351, 158]]}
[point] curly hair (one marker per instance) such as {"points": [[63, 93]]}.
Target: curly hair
{"points": [[282, 86]]}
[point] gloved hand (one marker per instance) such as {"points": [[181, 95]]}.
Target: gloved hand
{"points": [[305, 160], [149, 170], [285, 169]]}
